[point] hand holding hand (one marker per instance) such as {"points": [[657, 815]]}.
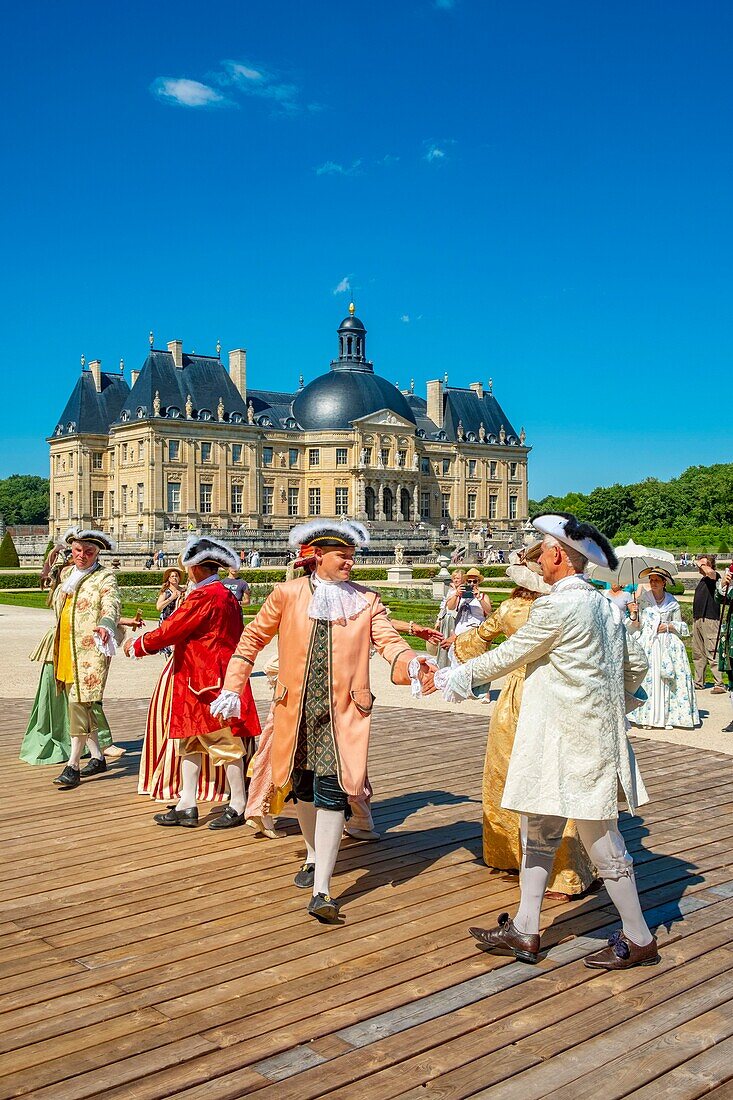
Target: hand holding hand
{"points": [[427, 681]]}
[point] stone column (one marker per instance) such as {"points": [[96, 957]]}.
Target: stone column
{"points": [[380, 501], [416, 503], [398, 502]]}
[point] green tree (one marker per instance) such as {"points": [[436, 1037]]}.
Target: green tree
{"points": [[24, 498], [8, 554]]}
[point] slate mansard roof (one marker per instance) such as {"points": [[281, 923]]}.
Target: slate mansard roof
{"points": [[349, 391], [89, 412]]}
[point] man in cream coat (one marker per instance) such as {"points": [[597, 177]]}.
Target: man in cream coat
{"points": [[571, 751]]}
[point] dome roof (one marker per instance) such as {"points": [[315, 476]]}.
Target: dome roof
{"points": [[351, 324], [335, 399]]}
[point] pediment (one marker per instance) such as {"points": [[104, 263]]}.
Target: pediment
{"points": [[384, 418]]}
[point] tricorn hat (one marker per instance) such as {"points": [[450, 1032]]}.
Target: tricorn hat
{"points": [[329, 534], [203, 550], [87, 534], [582, 537]]}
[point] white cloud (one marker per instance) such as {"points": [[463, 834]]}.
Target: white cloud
{"points": [[434, 153], [343, 286], [259, 82], [405, 318], [187, 93], [332, 168]]}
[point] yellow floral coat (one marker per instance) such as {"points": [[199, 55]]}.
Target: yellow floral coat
{"points": [[96, 602]]}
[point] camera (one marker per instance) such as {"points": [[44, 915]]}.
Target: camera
{"points": [[467, 592]]}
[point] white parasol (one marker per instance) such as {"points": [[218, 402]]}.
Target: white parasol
{"points": [[632, 558]]}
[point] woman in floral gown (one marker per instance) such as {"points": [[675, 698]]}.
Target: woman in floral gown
{"points": [[669, 687]]}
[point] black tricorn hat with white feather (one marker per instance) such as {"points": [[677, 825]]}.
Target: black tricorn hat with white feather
{"points": [[203, 550]]}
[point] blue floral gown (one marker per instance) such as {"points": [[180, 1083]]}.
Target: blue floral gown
{"points": [[668, 684]]}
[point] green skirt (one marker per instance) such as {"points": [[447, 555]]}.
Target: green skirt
{"points": [[47, 738]]}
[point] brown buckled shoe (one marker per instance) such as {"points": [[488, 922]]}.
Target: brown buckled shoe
{"points": [[506, 940], [621, 954]]}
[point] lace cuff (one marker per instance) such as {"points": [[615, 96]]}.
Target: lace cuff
{"points": [[413, 671], [454, 683]]}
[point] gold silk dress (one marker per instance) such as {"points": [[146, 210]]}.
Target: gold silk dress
{"points": [[572, 872]]}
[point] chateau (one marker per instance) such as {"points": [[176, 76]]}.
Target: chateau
{"points": [[189, 445]]}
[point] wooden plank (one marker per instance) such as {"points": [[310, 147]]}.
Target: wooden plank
{"points": [[144, 964]]}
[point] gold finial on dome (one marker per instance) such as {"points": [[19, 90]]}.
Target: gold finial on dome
{"points": [[352, 308]]}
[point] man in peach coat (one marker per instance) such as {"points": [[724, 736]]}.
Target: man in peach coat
{"points": [[323, 700]]}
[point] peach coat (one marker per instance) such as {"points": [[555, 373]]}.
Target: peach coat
{"points": [[285, 612]]}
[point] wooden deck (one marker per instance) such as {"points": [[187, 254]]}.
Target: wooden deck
{"points": [[139, 962]]}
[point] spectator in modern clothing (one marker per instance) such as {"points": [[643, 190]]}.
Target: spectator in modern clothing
{"points": [[468, 606], [705, 620], [238, 587], [619, 596]]}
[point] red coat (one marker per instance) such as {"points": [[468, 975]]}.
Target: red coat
{"points": [[204, 632]]}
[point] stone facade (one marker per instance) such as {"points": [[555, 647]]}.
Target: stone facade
{"points": [[245, 462]]}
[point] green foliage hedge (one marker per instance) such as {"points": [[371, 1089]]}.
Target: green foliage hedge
{"points": [[20, 580], [691, 512], [24, 498], [8, 554]]}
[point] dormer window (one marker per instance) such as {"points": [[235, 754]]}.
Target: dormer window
{"points": [[172, 412], [140, 412], [71, 426], [205, 414], [236, 418], [124, 416], [442, 436]]}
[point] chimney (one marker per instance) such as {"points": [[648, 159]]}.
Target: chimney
{"points": [[238, 370], [175, 347], [435, 402], [96, 368], [134, 375], [478, 389]]}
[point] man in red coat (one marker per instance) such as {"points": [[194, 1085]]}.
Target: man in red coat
{"points": [[204, 633]]}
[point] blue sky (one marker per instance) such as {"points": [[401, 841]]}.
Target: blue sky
{"points": [[537, 193]]}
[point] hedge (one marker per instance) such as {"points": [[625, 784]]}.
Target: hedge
{"points": [[20, 580], [8, 554]]}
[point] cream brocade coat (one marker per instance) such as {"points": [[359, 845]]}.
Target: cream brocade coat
{"points": [[572, 871], [571, 752], [96, 602]]}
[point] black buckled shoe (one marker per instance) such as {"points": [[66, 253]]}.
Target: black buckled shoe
{"points": [[94, 767], [68, 779], [189, 819], [323, 908], [306, 876], [228, 820], [505, 939]]}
